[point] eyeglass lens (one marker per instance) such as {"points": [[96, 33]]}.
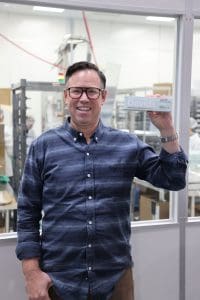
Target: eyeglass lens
{"points": [[77, 92]]}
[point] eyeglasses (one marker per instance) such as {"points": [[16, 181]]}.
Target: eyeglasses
{"points": [[91, 92]]}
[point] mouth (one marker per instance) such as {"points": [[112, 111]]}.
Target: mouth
{"points": [[84, 109]]}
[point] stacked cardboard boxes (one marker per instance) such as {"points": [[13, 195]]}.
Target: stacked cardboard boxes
{"points": [[5, 96]]}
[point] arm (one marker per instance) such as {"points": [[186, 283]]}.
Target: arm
{"points": [[169, 169], [166, 170], [29, 216], [163, 121], [37, 282], [29, 207]]}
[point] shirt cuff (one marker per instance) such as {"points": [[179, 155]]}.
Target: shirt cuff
{"points": [[27, 250], [180, 155]]}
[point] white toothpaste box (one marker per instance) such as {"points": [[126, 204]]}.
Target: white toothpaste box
{"points": [[161, 103]]}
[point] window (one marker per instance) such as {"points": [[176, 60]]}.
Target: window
{"points": [[194, 131], [137, 56]]}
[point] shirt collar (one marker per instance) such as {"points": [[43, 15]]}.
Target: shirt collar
{"points": [[78, 135]]}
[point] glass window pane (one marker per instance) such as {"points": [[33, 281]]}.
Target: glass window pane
{"points": [[137, 56], [194, 131]]}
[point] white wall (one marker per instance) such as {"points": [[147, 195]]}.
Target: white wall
{"points": [[196, 60], [156, 254], [12, 281], [192, 261], [156, 270], [121, 51], [156, 259], [39, 36], [140, 61]]}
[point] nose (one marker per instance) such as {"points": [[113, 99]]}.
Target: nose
{"points": [[84, 96]]}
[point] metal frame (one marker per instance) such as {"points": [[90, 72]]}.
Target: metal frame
{"points": [[19, 122], [183, 95]]}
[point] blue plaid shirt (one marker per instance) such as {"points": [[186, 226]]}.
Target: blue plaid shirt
{"points": [[79, 194]]}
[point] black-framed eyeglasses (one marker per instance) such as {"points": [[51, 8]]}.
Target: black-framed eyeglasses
{"points": [[92, 93]]}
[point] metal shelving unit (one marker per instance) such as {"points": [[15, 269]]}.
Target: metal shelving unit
{"points": [[19, 92]]}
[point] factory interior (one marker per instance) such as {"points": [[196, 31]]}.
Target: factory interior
{"points": [[145, 49]]}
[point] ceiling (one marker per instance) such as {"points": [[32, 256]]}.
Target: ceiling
{"points": [[98, 16]]}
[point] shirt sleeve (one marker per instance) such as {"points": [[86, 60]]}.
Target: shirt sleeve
{"points": [[166, 170], [29, 207]]}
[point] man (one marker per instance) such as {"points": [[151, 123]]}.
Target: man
{"points": [[77, 181]]}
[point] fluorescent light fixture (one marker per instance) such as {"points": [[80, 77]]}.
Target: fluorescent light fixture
{"points": [[48, 9], [75, 41], [160, 19]]}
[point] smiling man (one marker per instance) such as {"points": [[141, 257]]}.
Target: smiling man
{"points": [[76, 189], [85, 94]]}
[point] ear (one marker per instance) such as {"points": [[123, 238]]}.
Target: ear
{"points": [[104, 96]]}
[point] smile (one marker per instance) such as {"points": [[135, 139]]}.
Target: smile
{"points": [[84, 108]]}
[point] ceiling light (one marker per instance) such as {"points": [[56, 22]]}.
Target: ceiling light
{"points": [[48, 9], [160, 19], [75, 41]]}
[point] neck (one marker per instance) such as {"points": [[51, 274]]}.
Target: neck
{"points": [[85, 129]]}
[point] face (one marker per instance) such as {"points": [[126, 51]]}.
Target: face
{"points": [[85, 113]]}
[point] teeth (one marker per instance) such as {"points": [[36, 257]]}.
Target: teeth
{"points": [[84, 108]]}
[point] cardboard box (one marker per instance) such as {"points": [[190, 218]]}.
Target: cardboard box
{"points": [[164, 209], [145, 208], [164, 88], [2, 150], [5, 96]]}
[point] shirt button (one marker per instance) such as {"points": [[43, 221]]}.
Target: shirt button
{"points": [[86, 278], [80, 134], [96, 138], [89, 197], [89, 268], [88, 175], [75, 139], [90, 222], [87, 153], [89, 245]]}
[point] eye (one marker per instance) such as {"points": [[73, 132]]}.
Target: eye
{"points": [[93, 91], [76, 91]]}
